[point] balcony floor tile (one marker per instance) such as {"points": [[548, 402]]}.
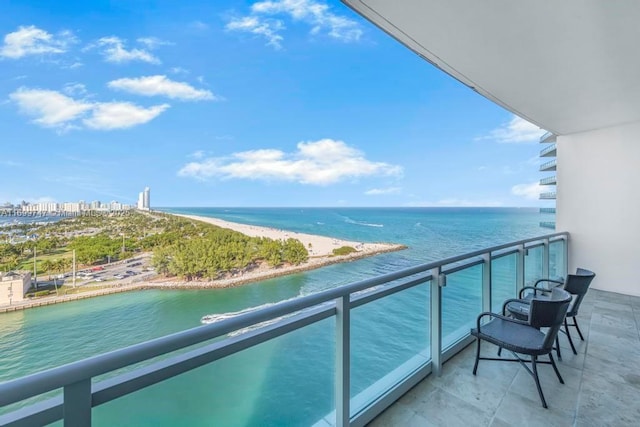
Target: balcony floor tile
{"points": [[602, 382]]}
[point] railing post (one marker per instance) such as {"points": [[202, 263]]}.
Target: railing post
{"points": [[77, 404], [486, 282], [343, 360], [520, 269], [545, 259], [566, 256], [438, 280]]}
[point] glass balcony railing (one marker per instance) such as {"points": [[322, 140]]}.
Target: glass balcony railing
{"points": [[548, 137], [548, 210], [548, 151], [548, 196], [550, 180], [548, 224], [548, 166], [437, 302]]}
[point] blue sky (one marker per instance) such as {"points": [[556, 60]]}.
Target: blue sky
{"points": [[242, 103]]}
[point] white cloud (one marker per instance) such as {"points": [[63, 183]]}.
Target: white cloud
{"points": [[267, 28], [34, 41], [517, 130], [161, 85], [153, 42], [314, 13], [322, 162], [178, 70], [74, 89], [52, 109], [121, 115], [113, 49], [311, 12], [198, 154], [528, 191], [382, 191]]}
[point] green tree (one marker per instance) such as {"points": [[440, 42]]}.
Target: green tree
{"points": [[294, 252]]}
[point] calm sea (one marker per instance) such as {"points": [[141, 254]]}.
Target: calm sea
{"points": [[287, 381]]}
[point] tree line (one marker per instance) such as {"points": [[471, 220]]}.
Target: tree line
{"points": [[181, 247]]}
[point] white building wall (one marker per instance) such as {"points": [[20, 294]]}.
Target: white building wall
{"points": [[598, 203]]}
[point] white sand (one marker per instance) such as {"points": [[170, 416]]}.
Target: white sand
{"points": [[321, 246]]}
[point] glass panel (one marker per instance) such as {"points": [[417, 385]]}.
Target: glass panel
{"points": [[461, 304], [556, 259], [503, 281], [389, 339], [533, 266], [272, 384]]}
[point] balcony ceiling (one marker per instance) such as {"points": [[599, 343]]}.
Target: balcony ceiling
{"points": [[568, 66]]}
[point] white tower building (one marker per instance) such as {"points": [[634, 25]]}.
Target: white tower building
{"points": [[146, 201]]}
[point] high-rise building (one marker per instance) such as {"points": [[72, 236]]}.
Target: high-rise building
{"points": [[141, 200], [146, 200]]}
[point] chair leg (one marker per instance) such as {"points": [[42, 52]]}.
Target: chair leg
{"points": [[475, 366], [566, 328], [575, 323], [499, 351], [535, 377], [555, 368], [558, 348]]}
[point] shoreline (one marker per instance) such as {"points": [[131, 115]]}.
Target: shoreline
{"points": [[320, 248]]}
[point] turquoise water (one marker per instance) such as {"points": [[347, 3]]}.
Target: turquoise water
{"points": [[287, 381]]}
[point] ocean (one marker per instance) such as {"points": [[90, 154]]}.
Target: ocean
{"points": [[287, 381]]}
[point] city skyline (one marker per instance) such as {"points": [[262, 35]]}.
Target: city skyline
{"points": [[81, 205], [244, 104]]}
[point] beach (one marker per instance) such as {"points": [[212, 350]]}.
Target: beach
{"points": [[318, 246], [320, 254], [320, 250]]}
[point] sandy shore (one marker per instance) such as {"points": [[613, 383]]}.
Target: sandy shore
{"points": [[320, 254], [318, 246]]}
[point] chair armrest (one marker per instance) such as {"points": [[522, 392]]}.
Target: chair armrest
{"points": [[535, 289], [498, 316], [559, 282]]}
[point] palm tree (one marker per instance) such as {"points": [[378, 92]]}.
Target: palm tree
{"points": [[47, 265]]}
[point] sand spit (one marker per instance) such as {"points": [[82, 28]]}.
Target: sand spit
{"points": [[320, 254]]}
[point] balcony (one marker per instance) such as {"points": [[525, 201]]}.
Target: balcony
{"points": [[547, 210], [550, 180], [548, 224], [548, 196], [548, 166], [600, 386], [549, 151], [548, 137], [446, 296]]}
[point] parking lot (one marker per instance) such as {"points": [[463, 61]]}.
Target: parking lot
{"points": [[123, 271]]}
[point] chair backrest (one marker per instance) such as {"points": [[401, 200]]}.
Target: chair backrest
{"points": [[549, 313], [578, 284]]}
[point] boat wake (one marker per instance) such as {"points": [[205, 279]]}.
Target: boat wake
{"points": [[366, 224], [213, 318]]}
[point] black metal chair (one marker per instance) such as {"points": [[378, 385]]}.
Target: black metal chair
{"points": [[576, 284], [526, 337]]}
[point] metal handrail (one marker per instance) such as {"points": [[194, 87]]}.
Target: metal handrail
{"points": [[70, 375]]}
